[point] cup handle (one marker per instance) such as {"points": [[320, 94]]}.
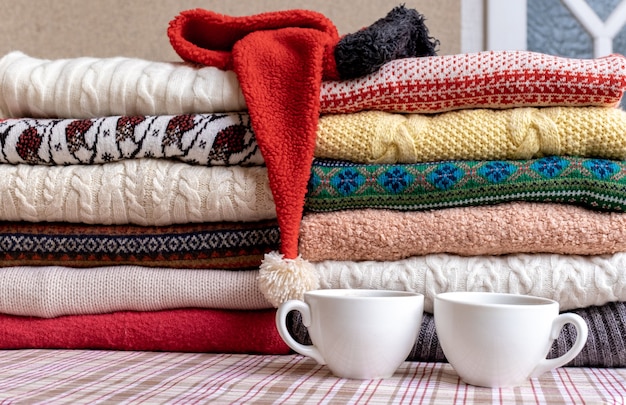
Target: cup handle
{"points": [[281, 325], [581, 338]]}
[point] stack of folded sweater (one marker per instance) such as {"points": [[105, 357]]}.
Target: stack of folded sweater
{"points": [[127, 221], [138, 201], [186, 184], [493, 171]]}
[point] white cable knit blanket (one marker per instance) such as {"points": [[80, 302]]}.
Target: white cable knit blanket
{"points": [[135, 191], [573, 281], [52, 291]]}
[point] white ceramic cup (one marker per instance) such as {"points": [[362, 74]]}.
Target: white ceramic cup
{"points": [[502, 340], [360, 334]]}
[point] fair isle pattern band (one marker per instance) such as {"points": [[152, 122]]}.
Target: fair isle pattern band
{"points": [[491, 79], [598, 184], [203, 139], [222, 245]]}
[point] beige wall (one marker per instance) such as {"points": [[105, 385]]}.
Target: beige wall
{"points": [[137, 28]]}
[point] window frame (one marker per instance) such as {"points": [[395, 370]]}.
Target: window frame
{"points": [[501, 25]]}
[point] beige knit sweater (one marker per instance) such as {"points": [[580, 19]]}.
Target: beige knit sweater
{"points": [[97, 290]]}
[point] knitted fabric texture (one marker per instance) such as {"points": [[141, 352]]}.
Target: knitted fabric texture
{"points": [[593, 183], [204, 139], [95, 87], [100, 290], [473, 134], [516, 227], [491, 79], [176, 330], [207, 245], [606, 343], [135, 191], [604, 347], [574, 281]]}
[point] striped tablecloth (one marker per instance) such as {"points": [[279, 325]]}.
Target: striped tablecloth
{"points": [[82, 376]]}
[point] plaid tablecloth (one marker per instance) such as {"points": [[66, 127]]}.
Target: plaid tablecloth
{"points": [[81, 376]]}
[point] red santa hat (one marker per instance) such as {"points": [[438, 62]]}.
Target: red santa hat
{"points": [[280, 59]]}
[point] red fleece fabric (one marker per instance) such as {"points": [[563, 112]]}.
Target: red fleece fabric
{"points": [[280, 59], [179, 330]]}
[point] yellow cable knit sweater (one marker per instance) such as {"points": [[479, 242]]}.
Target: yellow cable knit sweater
{"points": [[473, 134]]}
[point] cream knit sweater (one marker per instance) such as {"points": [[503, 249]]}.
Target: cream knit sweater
{"points": [[573, 281], [135, 191], [88, 87], [91, 87]]}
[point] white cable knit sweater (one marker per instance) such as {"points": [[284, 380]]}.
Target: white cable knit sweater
{"points": [[135, 191], [573, 281], [90, 87]]}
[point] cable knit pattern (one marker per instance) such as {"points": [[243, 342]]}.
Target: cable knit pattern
{"points": [[516, 227], [473, 134], [573, 281], [92, 87], [135, 191], [71, 291]]}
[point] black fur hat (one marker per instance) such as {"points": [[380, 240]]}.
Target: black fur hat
{"points": [[400, 34]]}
